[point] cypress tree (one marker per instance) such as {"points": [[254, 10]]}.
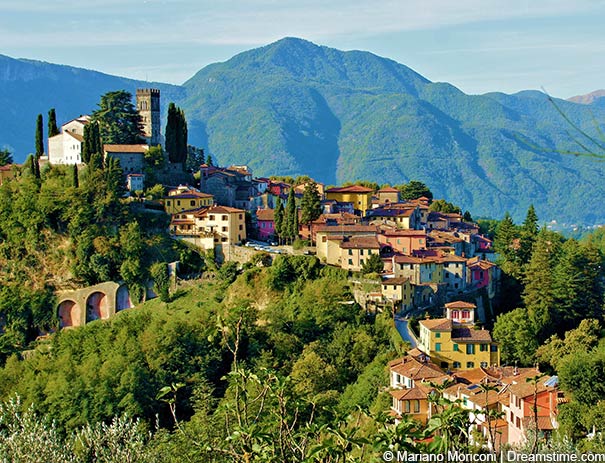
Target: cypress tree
{"points": [[74, 173], [529, 232], [290, 227], [176, 134], [86, 151], [209, 161], [278, 218], [52, 123], [96, 143], [310, 204], [39, 136]]}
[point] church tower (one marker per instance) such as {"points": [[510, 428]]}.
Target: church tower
{"points": [[148, 105]]}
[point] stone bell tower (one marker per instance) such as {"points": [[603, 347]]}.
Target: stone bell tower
{"points": [[148, 105]]}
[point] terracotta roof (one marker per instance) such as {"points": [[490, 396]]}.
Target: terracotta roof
{"points": [[361, 242], [6, 167], [414, 393], [350, 189], [189, 195], [544, 422], [391, 212], [412, 368], [524, 389], [75, 135], [395, 281], [460, 305], [482, 264], [451, 258], [470, 335], [265, 214], [216, 210], [344, 228], [388, 189], [399, 232], [125, 148], [437, 324]]}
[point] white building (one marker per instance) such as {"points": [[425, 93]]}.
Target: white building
{"points": [[135, 182], [66, 147]]}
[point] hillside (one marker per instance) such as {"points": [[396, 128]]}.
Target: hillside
{"points": [[293, 107], [29, 88]]}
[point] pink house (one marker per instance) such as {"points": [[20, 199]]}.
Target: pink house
{"points": [[265, 223]]}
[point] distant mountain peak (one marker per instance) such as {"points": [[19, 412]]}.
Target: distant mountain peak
{"points": [[588, 98]]}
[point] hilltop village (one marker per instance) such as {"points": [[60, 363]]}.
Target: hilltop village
{"points": [[404, 253]]}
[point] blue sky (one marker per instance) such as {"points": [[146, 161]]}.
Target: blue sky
{"points": [[477, 45]]}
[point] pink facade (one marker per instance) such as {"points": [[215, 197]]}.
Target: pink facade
{"points": [[266, 229], [480, 277]]}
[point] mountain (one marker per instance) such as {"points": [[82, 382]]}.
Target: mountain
{"points": [[589, 98], [29, 88], [293, 107]]}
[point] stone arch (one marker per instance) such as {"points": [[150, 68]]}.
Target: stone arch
{"points": [[97, 306], [123, 300], [69, 314]]}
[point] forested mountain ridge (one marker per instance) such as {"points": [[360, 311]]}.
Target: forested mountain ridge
{"points": [[293, 107]]}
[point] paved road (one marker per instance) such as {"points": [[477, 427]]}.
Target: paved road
{"points": [[404, 331]]}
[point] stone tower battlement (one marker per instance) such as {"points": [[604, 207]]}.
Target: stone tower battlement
{"points": [[148, 105]]}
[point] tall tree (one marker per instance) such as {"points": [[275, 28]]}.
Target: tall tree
{"points": [[209, 161], [577, 286], [92, 141], [195, 158], [74, 176], [414, 190], [505, 242], [176, 134], [6, 157], [528, 234], [290, 227], [539, 283], [39, 136], [119, 121], [310, 204], [52, 123], [278, 218]]}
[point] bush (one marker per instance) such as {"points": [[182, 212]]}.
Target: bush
{"points": [[300, 244]]}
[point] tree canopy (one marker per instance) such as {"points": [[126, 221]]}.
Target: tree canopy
{"points": [[118, 119]]}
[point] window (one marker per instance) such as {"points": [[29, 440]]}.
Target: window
{"points": [[192, 202], [361, 252], [437, 335], [483, 364], [445, 365], [406, 406], [456, 285], [493, 348], [350, 252], [224, 229], [178, 202], [456, 348], [241, 227], [447, 275], [470, 349], [223, 240], [211, 217], [470, 364], [466, 314], [456, 365], [168, 203], [224, 217], [241, 216], [438, 347], [350, 261], [416, 406], [384, 287], [482, 347]]}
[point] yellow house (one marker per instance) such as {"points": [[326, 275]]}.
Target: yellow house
{"points": [[453, 343], [187, 201], [359, 196], [399, 291]]}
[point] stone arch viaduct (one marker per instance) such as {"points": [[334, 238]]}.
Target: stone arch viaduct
{"points": [[78, 307]]}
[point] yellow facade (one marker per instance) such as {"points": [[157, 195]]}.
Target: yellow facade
{"points": [[399, 291], [187, 202], [360, 197], [456, 346]]}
